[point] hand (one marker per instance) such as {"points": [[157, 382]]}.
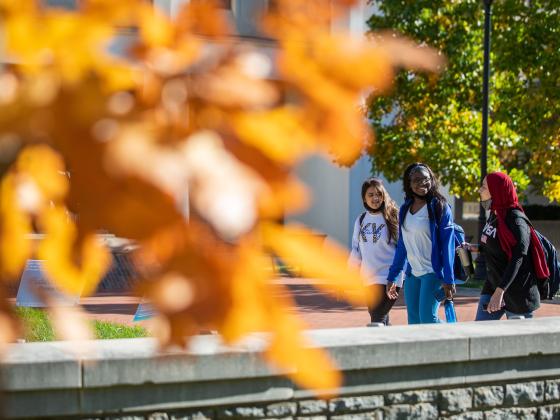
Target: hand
{"points": [[496, 301], [470, 247], [449, 290], [392, 290]]}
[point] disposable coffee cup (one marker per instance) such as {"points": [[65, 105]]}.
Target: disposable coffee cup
{"points": [[466, 260]]}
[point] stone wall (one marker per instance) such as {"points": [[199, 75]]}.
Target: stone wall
{"points": [[503, 369], [526, 400]]}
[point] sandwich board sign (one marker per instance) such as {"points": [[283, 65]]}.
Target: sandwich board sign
{"points": [[144, 311], [33, 279]]}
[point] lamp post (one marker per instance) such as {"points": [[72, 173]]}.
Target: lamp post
{"points": [[480, 273]]}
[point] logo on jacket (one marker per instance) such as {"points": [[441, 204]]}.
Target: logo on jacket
{"points": [[489, 230], [373, 230]]}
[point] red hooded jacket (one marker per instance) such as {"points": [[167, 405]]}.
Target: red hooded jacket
{"points": [[504, 198]]}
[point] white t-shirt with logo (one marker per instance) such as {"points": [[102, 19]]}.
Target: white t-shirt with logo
{"points": [[418, 241], [370, 249]]}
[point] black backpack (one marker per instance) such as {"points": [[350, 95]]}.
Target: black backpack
{"points": [[362, 218], [548, 287], [459, 234]]}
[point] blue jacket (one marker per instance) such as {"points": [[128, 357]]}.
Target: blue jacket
{"points": [[443, 244]]}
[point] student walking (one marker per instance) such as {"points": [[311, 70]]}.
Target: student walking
{"points": [[373, 245], [426, 246], [515, 259]]}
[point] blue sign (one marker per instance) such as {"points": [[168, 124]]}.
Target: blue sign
{"points": [[144, 311], [33, 280]]}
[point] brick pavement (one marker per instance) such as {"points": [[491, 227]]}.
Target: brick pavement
{"points": [[320, 311], [317, 309]]}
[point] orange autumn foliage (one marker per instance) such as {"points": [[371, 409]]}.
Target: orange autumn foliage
{"points": [[93, 141]]}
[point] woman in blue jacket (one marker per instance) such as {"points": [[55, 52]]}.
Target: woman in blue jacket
{"points": [[426, 246]]}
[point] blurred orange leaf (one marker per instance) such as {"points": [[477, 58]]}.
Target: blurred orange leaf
{"points": [[15, 248], [318, 258], [57, 248], [251, 294], [71, 323], [278, 133], [312, 366], [257, 306], [156, 29], [185, 144], [47, 169]]}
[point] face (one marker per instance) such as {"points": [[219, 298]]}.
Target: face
{"points": [[373, 198], [484, 191], [420, 182]]}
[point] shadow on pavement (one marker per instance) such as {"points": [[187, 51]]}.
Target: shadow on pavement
{"points": [[112, 308]]}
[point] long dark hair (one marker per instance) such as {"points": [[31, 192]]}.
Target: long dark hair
{"points": [[388, 207], [434, 189]]}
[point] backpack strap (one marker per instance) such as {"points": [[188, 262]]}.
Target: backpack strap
{"points": [[361, 221], [439, 214], [362, 217], [510, 217], [524, 217]]}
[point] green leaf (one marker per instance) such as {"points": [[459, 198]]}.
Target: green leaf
{"points": [[440, 123]]}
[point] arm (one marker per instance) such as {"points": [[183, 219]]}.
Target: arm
{"points": [[355, 257], [471, 247], [447, 242], [522, 233], [399, 260]]}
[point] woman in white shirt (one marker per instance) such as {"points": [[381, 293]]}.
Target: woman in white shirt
{"points": [[373, 245], [426, 246]]}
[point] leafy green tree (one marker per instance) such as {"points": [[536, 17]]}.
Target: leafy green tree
{"points": [[437, 120]]}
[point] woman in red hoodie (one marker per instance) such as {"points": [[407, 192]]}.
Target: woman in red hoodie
{"points": [[515, 258]]}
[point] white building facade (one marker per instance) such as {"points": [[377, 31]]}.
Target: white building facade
{"points": [[335, 190]]}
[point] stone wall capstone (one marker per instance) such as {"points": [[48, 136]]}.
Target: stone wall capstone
{"points": [[461, 371]]}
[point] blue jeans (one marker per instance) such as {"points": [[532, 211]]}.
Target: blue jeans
{"points": [[421, 304], [483, 315]]}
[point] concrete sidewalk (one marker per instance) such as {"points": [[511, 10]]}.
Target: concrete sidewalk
{"points": [[317, 309]]}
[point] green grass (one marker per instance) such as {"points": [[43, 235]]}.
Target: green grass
{"points": [[36, 323], [38, 327], [110, 330]]}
